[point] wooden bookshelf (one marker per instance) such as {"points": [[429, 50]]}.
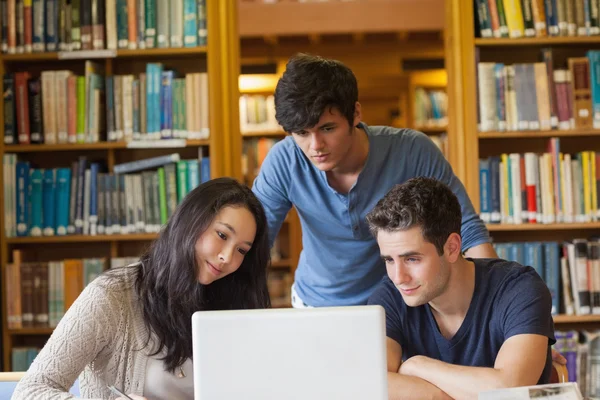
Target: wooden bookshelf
{"points": [[219, 58], [105, 54], [575, 319], [31, 332], [252, 134], [542, 227], [538, 41], [463, 51], [81, 238], [33, 148], [539, 134]]}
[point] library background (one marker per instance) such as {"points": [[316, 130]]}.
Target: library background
{"points": [[114, 110]]}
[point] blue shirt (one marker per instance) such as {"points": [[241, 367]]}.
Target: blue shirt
{"points": [[508, 300], [340, 262]]}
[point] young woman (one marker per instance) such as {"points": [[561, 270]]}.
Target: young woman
{"points": [[131, 327]]}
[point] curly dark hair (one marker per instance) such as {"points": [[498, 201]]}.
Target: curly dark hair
{"points": [[309, 86], [423, 202], [166, 279]]}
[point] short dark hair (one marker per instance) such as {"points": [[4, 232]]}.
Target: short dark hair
{"points": [[309, 86], [167, 277], [423, 202]]}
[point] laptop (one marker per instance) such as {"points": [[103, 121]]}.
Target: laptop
{"points": [[317, 354]]}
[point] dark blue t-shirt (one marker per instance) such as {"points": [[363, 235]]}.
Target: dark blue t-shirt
{"points": [[508, 300]]}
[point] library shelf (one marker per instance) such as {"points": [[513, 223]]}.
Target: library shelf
{"points": [[81, 238], [542, 227], [539, 134]]}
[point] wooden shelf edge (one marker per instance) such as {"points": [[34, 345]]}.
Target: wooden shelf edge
{"points": [[539, 134], [537, 41], [251, 134], [541, 227], [570, 319], [104, 54], [81, 238], [33, 148], [30, 331]]}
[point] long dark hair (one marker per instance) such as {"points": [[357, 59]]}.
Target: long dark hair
{"points": [[166, 280]]}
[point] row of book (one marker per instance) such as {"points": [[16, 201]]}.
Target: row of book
{"points": [[257, 113], [53, 25], [254, 153], [22, 356], [536, 18], [545, 188], [430, 108], [61, 107], [39, 293], [571, 271], [582, 351], [137, 197], [535, 96]]}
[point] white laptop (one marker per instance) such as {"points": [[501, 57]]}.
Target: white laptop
{"points": [[309, 354]]}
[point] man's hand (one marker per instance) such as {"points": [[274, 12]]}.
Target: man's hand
{"points": [[557, 357]]}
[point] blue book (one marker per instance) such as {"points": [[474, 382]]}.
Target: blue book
{"points": [[534, 257], [553, 273], [594, 60], [495, 215], [36, 183], [484, 190], [190, 24], [166, 114], [193, 175], [51, 25], [63, 194], [205, 169], [94, 169], [22, 200], [48, 202]]}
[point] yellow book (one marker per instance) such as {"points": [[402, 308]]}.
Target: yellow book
{"points": [[514, 18], [587, 196]]}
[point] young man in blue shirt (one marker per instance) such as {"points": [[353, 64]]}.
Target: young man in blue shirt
{"points": [[455, 326], [333, 169]]}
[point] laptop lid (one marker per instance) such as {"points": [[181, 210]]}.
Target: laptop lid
{"points": [[320, 353]]}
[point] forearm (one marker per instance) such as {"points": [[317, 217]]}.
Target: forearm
{"points": [[458, 381], [402, 387], [484, 250]]}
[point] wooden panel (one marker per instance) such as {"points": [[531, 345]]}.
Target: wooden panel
{"points": [[288, 18]]}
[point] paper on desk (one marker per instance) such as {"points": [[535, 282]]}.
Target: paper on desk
{"points": [[558, 391]]}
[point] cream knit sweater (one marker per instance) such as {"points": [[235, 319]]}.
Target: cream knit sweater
{"points": [[99, 337]]}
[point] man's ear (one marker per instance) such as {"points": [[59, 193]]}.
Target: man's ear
{"points": [[357, 114], [452, 248]]}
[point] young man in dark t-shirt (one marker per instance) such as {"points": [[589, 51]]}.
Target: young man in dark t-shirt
{"points": [[456, 326]]}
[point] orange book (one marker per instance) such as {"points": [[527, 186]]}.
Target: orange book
{"points": [[73, 281]]}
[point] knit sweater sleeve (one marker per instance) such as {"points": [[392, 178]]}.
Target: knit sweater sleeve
{"points": [[84, 335]]}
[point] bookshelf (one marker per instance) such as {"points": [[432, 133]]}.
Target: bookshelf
{"points": [[260, 131], [219, 58], [480, 140], [427, 106]]}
